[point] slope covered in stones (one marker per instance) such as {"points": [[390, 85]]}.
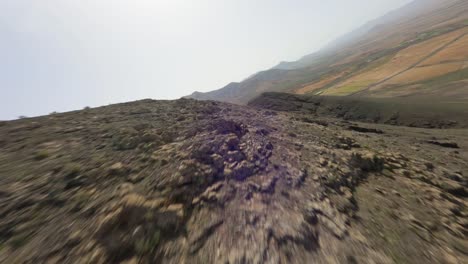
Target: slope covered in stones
{"points": [[206, 182]]}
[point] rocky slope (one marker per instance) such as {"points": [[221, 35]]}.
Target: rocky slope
{"points": [[412, 112], [417, 50], [206, 182]]}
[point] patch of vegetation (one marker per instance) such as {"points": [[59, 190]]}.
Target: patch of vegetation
{"points": [[428, 35], [431, 34], [368, 163], [348, 89], [364, 64], [446, 78], [19, 240], [333, 181], [41, 155], [385, 57], [81, 200], [72, 170], [382, 54], [124, 142], [146, 245]]}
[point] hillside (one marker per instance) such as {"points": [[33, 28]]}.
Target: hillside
{"points": [[412, 112], [417, 50], [189, 181]]}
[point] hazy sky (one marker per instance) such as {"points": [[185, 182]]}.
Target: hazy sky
{"points": [[59, 55]]}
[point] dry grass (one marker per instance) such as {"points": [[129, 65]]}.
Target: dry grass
{"points": [[349, 88], [457, 51], [311, 87], [423, 73], [401, 60]]}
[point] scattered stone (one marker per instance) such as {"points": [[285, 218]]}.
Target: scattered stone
{"points": [[232, 142], [223, 126], [263, 132], [218, 161], [135, 178], [211, 194], [76, 182], [456, 177], [429, 166], [346, 143], [177, 208], [454, 188], [379, 190], [269, 185], [74, 239], [449, 258], [336, 226], [117, 169], [234, 156], [343, 204], [133, 260], [243, 170], [323, 162], [296, 178], [125, 189]]}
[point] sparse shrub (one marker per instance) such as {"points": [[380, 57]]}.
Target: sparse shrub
{"points": [[125, 140], [429, 166], [332, 180], [19, 240], [80, 200], [72, 169], [367, 162], [147, 244], [41, 155]]}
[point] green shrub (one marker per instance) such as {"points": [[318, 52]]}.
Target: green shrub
{"points": [[41, 155], [147, 245], [72, 169]]}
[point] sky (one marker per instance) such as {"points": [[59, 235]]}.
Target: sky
{"points": [[62, 55]]}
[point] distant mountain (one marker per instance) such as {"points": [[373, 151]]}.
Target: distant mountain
{"points": [[419, 49]]}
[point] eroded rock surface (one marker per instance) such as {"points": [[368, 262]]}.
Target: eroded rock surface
{"points": [[204, 182]]}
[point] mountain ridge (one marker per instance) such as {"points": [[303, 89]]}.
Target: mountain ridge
{"points": [[367, 49]]}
